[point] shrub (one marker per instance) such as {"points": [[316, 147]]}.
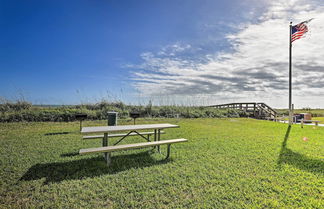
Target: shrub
{"points": [[24, 111]]}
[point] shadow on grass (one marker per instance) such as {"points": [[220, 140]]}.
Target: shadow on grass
{"points": [[90, 167], [57, 133], [70, 154], [300, 161]]}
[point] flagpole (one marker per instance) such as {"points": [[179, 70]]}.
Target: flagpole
{"points": [[290, 97]]}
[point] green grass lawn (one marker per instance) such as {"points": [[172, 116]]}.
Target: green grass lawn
{"points": [[227, 163], [320, 119]]}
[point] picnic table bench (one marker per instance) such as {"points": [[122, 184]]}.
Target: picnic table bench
{"points": [[132, 130], [109, 149], [308, 121]]}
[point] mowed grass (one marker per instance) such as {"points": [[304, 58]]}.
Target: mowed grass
{"points": [[227, 163], [320, 119]]}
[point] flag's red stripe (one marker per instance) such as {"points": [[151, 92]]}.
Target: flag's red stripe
{"points": [[301, 30]]}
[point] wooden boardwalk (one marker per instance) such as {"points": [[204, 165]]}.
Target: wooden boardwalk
{"points": [[251, 109]]}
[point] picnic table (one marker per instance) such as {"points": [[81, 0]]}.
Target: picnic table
{"points": [[130, 131]]}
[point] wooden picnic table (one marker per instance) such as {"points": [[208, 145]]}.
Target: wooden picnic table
{"points": [[131, 130]]}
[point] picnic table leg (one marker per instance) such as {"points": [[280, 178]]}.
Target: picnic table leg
{"points": [[155, 134], [159, 136], [168, 152], [105, 144]]}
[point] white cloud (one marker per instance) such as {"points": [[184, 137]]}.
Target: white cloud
{"points": [[256, 69], [173, 49]]}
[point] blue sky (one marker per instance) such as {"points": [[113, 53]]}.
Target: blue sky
{"points": [[68, 52]]}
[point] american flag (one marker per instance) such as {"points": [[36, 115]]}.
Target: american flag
{"points": [[298, 31]]}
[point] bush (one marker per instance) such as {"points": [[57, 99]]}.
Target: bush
{"points": [[24, 111], [10, 106]]}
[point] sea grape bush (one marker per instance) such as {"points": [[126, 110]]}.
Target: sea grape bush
{"points": [[25, 111]]}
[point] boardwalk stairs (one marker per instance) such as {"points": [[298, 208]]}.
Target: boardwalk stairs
{"points": [[258, 110]]}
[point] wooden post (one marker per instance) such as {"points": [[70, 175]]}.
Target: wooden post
{"points": [[302, 123], [254, 110]]}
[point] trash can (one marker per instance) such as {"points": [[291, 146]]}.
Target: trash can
{"points": [[112, 118]]}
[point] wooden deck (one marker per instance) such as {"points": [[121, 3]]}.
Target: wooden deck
{"points": [[252, 109]]}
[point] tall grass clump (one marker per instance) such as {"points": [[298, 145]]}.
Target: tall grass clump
{"points": [[25, 111]]}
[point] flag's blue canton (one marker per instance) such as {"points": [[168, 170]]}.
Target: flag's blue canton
{"points": [[294, 29]]}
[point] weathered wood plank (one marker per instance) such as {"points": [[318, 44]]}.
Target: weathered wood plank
{"points": [[129, 146], [119, 135], [106, 129]]}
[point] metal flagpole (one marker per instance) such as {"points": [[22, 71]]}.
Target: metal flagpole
{"points": [[290, 99]]}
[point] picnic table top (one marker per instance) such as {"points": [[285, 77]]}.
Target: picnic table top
{"points": [[106, 129]]}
